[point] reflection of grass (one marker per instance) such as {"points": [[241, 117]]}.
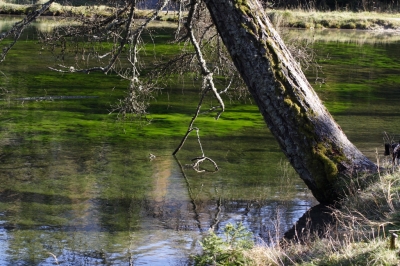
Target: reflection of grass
{"points": [[343, 36], [47, 24], [287, 176], [88, 118]]}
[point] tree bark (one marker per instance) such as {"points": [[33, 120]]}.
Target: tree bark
{"points": [[313, 142]]}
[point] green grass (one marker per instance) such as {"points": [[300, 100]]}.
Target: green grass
{"points": [[356, 75]]}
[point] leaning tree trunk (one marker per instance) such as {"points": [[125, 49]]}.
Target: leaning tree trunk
{"points": [[315, 145]]}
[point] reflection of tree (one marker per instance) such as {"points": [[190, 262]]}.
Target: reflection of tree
{"points": [[85, 199], [66, 197], [268, 219], [161, 173], [191, 196]]}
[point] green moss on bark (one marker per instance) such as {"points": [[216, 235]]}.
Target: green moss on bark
{"points": [[322, 158]]}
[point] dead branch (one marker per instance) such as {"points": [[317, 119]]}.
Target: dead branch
{"points": [[208, 85], [198, 160], [208, 81], [191, 128]]}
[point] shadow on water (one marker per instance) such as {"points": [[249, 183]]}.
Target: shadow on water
{"points": [[9, 196], [313, 223]]}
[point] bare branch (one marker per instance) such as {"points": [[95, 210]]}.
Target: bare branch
{"points": [[207, 74], [199, 160], [110, 25], [180, 12], [208, 85], [191, 128]]}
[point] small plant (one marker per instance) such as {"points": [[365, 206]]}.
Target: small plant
{"points": [[227, 251]]}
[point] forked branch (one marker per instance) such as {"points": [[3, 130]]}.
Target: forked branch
{"points": [[208, 85]]}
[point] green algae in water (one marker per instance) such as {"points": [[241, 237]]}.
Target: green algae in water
{"points": [[88, 118], [82, 184], [358, 76]]}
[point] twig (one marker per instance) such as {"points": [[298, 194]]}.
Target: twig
{"points": [[190, 128], [199, 160], [54, 256]]}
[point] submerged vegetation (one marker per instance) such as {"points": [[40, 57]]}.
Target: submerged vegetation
{"points": [[361, 232]]}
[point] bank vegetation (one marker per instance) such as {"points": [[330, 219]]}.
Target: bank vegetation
{"points": [[363, 232], [307, 18]]}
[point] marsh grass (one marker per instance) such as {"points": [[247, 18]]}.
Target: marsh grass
{"points": [[298, 18], [360, 235], [334, 19], [325, 36], [57, 9], [15, 9]]}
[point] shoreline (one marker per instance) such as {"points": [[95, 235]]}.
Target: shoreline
{"points": [[294, 18], [371, 21]]}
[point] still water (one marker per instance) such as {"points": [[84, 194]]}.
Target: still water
{"points": [[79, 188]]}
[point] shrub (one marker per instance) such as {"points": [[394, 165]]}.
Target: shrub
{"points": [[228, 251], [348, 25], [324, 23]]}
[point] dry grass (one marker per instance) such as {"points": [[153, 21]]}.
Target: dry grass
{"points": [[335, 19], [57, 9], [360, 235], [286, 18], [7, 8]]}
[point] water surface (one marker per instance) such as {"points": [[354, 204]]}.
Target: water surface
{"points": [[79, 188]]}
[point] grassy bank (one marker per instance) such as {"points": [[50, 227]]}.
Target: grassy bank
{"points": [[282, 18], [360, 235], [62, 10], [335, 20]]}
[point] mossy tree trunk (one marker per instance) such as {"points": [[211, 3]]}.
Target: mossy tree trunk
{"points": [[315, 145]]}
